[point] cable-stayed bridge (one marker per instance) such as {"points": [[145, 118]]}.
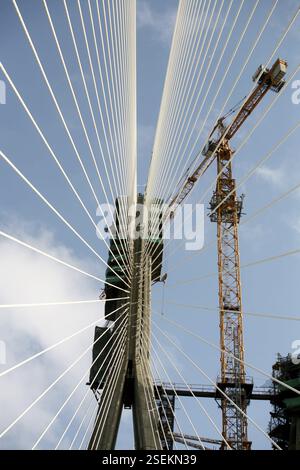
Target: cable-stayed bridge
{"points": [[226, 86]]}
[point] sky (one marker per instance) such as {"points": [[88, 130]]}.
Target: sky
{"points": [[26, 277]]}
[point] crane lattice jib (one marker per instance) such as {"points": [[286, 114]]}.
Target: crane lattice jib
{"points": [[267, 79]]}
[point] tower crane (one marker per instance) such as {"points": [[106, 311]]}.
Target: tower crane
{"points": [[132, 381], [226, 211]]}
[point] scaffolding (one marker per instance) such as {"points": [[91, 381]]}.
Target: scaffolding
{"points": [[284, 426]]}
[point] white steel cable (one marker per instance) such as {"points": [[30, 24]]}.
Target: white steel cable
{"points": [[221, 84], [218, 388], [168, 400], [256, 213], [29, 407], [118, 185], [243, 266], [72, 32], [58, 108], [126, 22], [111, 61], [93, 381], [57, 304], [191, 391], [229, 36], [111, 385], [178, 104], [129, 45], [203, 81], [169, 150], [196, 119], [151, 415], [57, 260], [251, 314], [271, 204], [191, 98], [254, 46], [8, 78], [160, 117], [261, 161], [58, 343], [252, 171], [112, 102], [92, 400], [187, 60], [89, 104], [77, 386], [112, 139], [133, 63], [283, 36], [77, 107], [165, 417], [174, 59], [258, 122], [203, 340], [122, 20], [228, 67], [52, 93], [176, 67], [118, 72], [120, 169], [148, 376], [58, 214], [160, 419], [175, 75], [177, 396], [92, 418]]}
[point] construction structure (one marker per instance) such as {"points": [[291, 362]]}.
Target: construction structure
{"points": [[134, 383], [284, 427], [166, 395], [133, 379]]}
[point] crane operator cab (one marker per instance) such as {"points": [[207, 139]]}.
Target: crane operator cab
{"points": [[273, 77]]}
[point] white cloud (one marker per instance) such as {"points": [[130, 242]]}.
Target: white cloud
{"points": [[145, 139], [255, 236], [296, 225], [279, 21], [162, 24], [274, 176], [27, 277]]}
